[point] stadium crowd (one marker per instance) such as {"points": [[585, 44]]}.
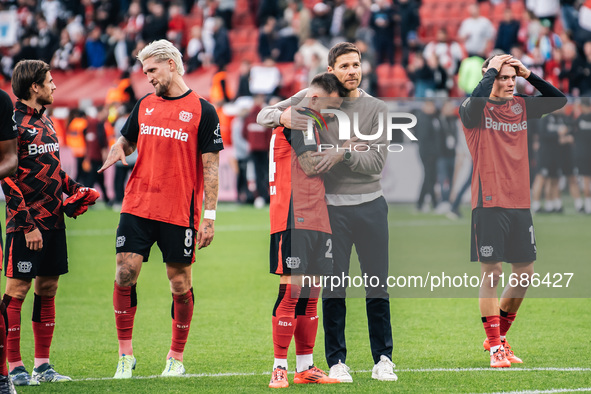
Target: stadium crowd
{"points": [[408, 50]]}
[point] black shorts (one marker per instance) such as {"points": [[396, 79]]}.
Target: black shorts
{"points": [[583, 161], [301, 252], [137, 235], [22, 262], [501, 234], [555, 161]]}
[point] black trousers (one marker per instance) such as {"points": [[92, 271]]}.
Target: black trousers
{"points": [[366, 227]]}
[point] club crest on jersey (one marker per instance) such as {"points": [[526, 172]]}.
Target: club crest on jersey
{"points": [[517, 109], [185, 116], [293, 262], [149, 111], [24, 266], [486, 251]]}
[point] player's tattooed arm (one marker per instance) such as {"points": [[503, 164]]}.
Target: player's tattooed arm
{"points": [[123, 147], [211, 161], [309, 163]]}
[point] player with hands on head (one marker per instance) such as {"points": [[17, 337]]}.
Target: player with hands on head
{"points": [[36, 236], [496, 127], [177, 136]]}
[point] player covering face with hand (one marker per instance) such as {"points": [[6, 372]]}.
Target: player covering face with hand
{"points": [[300, 233], [495, 125]]}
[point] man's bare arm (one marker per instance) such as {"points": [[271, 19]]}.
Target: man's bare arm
{"points": [[210, 190], [8, 158], [308, 162], [120, 149]]}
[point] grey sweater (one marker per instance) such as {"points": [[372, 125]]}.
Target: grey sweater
{"points": [[361, 175]]}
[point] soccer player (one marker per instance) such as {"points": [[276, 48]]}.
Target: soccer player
{"points": [[36, 237], [583, 150], [177, 136], [495, 125], [357, 211], [300, 233], [8, 166]]}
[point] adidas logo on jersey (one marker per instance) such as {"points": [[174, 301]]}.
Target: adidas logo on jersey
{"points": [[500, 126], [35, 149], [162, 132]]}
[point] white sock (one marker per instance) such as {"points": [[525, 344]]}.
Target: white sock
{"points": [[280, 362], [588, 205], [578, 204], [493, 349], [304, 362], [548, 205], [557, 203], [536, 205]]}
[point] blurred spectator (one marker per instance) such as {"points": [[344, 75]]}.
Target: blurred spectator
{"points": [[52, 9], [382, 21], [427, 76], [363, 15], [240, 109], [96, 139], [470, 73], [569, 16], [547, 40], [225, 11], [583, 150], [222, 52], [195, 50], [259, 138], [568, 54], [68, 55], [121, 170], [299, 18], [581, 73], [268, 39], [507, 32], [134, 23], [266, 9], [156, 22], [287, 45], [176, 26], [428, 149], [448, 52], [47, 42], [320, 23], [476, 31], [544, 9], [95, 49], [408, 14], [265, 78], [313, 47], [584, 31], [447, 136], [76, 142], [119, 49], [244, 79]]}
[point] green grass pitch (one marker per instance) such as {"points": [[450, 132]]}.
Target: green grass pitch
{"points": [[437, 341]]}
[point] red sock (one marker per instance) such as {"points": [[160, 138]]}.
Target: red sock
{"points": [[491, 326], [13, 311], [506, 320], [43, 324], [307, 321], [182, 313], [284, 318], [3, 339], [125, 305]]}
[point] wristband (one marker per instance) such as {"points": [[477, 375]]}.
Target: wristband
{"points": [[209, 214]]}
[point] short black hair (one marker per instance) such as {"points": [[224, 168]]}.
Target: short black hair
{"points": [[330, 84], [342, 48], [25, 74]]}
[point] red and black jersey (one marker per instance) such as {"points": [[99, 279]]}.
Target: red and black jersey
{"points": [[171, 134], [34, 195], [297, 200], [496, 133]]}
